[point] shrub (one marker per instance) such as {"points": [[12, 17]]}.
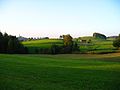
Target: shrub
{"points": [[116, 42]]}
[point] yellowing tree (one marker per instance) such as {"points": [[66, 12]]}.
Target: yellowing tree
{"points": [[67, 40]]}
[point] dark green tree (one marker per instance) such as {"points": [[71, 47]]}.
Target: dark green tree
{"points": [[99, 35], [10, 48], [10, 44], [6, 39], [55, 49], [116, 42], [1, 43], [75, 47]]}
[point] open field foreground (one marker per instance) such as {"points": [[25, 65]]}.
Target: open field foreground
{"points": [[60, 72]]}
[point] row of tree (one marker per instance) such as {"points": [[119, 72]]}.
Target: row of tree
{"points": [[10, 44]]}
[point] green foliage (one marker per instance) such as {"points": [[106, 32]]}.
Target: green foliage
{"points": [[75, 47], [95, 45], [10, 44], [116, 42], [55, 49], [67, 40], [6, 39], [42, 46], [60, 72], [68, 43], [52, 46], [46, 43], [1, 43], [99, 35]]}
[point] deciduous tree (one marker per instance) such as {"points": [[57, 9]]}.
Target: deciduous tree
{"points": [[116, 42]]}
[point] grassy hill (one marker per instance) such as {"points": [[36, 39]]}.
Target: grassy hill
{"points": [[44, 43], [60, 72], [96, 46]]}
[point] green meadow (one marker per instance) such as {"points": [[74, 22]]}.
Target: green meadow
{"points": [[45, 43], [96, 45], [60, 72]]}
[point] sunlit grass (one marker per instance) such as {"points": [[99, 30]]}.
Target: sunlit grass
{"points": [[96, 45], [56, 72]]}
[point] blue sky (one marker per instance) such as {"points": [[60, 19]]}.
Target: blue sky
{"points": [[38, 18]]}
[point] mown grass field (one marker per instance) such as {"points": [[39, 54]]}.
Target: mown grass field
{"points": [[60, 72]]}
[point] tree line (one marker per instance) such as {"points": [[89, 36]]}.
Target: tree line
{"points": [[10, 44]]}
